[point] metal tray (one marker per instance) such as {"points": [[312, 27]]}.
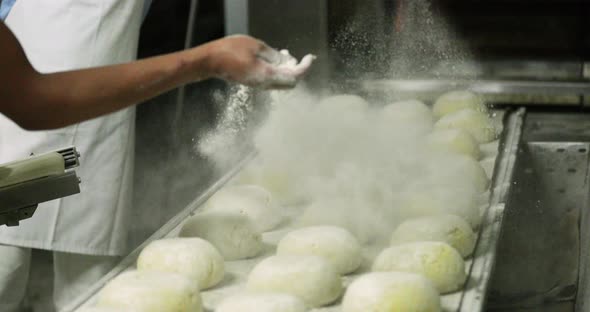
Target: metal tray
{"points": [[479, 267]]}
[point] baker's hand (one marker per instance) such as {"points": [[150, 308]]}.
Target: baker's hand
{"points": [[251, 62]]}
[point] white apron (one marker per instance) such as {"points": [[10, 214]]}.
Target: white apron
{"points": [[59, 35]]}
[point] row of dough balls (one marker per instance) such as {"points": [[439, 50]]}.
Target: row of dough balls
{"points": [[458, 120], [228, 229], [169, 277], [307, 266], [422, 263], [457, 123]]}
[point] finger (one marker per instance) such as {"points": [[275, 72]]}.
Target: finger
{"points": [[304, 65], [287, 59], [269, 55]]}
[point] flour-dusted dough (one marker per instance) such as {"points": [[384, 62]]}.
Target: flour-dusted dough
{"points": [[437, 261], [457, 170], [343, 103], [232, 234], [430, 200], [310, 278], [262, 302], [449, 229], [151, 291], [391, 292], [192, 257], [253, 201], [332, 243], [478, 124], [455, 141], [276, 180], [411, 115], [451, 102]]}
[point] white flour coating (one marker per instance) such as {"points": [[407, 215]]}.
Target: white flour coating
{"points": [[439, 262], [224, 143], [233, 234], [220, 143], [350, 167]]}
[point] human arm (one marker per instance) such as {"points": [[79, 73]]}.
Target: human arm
{"points": [[38, 101]]}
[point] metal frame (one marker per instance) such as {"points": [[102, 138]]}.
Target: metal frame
{"points": [[485, 250], [480, 86]]}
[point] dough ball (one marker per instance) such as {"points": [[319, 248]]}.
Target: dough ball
{"points": [[310, 278], [430, 200], [448, 229], [408, 110], [262, 302], [343, 103], [151, 291], [457, 170], [332, 243], [278, 182], [451, 102], [336, 212], [391, 292], [233, 235], [478, 124], [192, 257], [250, 200], [437, 261], [411, 115], [455, 141]]}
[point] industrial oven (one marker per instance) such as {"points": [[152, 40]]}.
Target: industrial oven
{"points": [[529, 59]]}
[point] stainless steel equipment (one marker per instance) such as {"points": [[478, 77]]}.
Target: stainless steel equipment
{"points": [[26, 183]]}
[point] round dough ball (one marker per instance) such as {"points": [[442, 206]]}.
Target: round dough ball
{"points": [[448, 229], [451, 102], [278, 182], [310, 278], [328, 212], [332, 243], [455, 141], [440, 200], [391, 292], [410, 114], [262, 302], [151, 291], [437, 261], [343, 103], [233, 235], [478, 124], [457, 170], [192, 257], [250, 200]]}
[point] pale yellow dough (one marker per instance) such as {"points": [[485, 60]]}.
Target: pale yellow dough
{"points": [[439, 262], [151, 291], [310, 278], [391, 292], [453, 101], [192, 257], [448, 229]]}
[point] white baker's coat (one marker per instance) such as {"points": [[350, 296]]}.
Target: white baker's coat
{"points": [[59, 35]]}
